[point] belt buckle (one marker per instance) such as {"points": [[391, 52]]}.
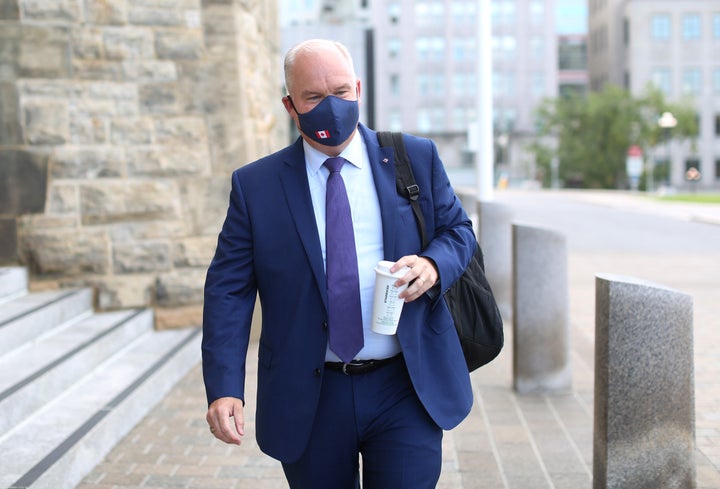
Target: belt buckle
{"points": [[351, 364]]}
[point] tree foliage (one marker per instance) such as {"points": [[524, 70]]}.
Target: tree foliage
{"points": [[592, 133]]}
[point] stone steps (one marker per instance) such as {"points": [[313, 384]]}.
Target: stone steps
{"points": [[73, 382]]}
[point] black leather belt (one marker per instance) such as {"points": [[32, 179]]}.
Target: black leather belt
{"points": [[358, 367]]}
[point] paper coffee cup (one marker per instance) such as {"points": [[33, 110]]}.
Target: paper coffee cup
{"points": [[387, 306]]}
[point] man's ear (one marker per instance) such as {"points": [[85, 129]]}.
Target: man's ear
{"points": [[288, 106]]}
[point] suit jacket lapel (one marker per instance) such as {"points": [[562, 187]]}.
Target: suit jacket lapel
{"points": [[297, 193], [382, 161]]}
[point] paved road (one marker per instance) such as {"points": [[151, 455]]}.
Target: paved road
{"points": [[508, 441]]}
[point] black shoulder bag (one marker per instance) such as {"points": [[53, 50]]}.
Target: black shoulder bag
{"points": [[471, 302]]}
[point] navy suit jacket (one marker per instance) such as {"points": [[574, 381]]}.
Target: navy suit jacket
{"points": [[269, 245]]}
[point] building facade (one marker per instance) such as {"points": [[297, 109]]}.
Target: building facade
{"points": [[426, 55], [676, 47]]}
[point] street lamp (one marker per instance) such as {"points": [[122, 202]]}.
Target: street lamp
{"points": [[666, 122]]}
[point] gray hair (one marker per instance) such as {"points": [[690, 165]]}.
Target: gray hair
{"points": [[309, 46]]}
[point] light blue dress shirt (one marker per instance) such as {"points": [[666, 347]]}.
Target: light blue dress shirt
{"points": [[367, 229]]}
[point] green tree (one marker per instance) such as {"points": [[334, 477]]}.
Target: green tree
{"points": [[592, 134]]}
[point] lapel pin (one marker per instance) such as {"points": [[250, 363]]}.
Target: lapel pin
{"points": [[385, 160]]}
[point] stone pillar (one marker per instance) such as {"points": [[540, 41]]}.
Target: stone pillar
{"points": [[495, 237], [644, 433], [541, 326]]}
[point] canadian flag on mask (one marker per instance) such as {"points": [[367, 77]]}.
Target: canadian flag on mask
{"points": [[324, 134]]}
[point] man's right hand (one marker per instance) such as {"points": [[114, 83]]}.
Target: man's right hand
{"points": [[225, 417]]}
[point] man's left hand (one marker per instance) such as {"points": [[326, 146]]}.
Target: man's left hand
{"points": [[421, 276]]}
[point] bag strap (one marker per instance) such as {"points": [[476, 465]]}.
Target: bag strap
{"points": [[404, 178]]}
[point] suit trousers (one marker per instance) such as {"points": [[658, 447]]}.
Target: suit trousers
{"points": [[378, 416]]}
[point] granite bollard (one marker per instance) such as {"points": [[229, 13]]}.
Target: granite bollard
{"points": [[644, 433], [494, 234], [541, 343]]}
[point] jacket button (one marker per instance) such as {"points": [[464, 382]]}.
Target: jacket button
{"points": [[325, 325], [317, 372]]}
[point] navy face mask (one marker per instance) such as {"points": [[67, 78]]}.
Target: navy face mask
{"points": [[331, 121]]}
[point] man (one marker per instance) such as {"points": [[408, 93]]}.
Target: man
{"points": [[320, 405]]}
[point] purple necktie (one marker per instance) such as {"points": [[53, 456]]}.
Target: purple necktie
{"points": [[344, 315]]}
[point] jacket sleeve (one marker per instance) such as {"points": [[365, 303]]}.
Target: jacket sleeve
{"points": [[452, 240], [229, 300]]}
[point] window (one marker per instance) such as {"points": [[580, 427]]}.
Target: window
{"points": [[463, 12], [429, 48], [430, 119], [395, 120], [463, 49], [717, 168], [717, 125], [393, 47], [662, 79], [692, 81], [503, 12], [504, 84], [393, 10], [660, 27], [538, 84], [429, 12], [691, 26], [716, 81], [395, 85], [537, 47], [716, 26], [537, 12], [464, 84], [504, 47], [431, 85]]}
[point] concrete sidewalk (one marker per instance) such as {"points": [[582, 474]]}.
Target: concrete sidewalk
{"points": [[508, 441]]}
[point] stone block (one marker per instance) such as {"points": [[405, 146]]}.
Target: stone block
{"points": [[55, 11], [63, 198], [180, 287], [644, 418], [140, 257], [64, 251], [495, 237], [23, 181], [205, 203], [156, 16], [104, 12], [123, 291], [159, 98], [43, 52], [8, 241], [179, 44], [128, 43], [46, 122], [86, 129], [10, 129], [129, 131], [178, 316], [541, 314], [97, 69], [180, 131], [168, 161], [194, 251], [87, 164], [150, 71], [128, 200], [87, 42], [9, 10]]}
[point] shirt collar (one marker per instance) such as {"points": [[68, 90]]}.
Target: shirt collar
{"points": [[352, 153]]}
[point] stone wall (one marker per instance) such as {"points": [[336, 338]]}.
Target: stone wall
{"points": [[120, 123]]}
